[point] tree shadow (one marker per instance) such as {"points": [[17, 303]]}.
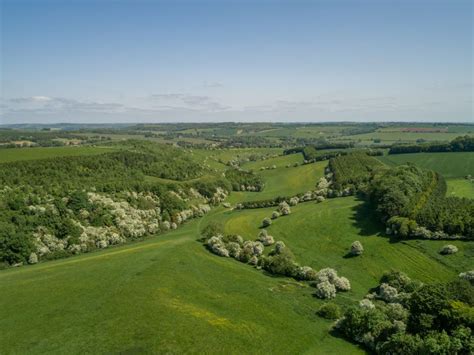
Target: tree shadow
{"points": [[349, 255], [365, 218]]}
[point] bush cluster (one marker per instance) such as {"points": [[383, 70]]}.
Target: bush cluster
{"points": [[407, 317]]}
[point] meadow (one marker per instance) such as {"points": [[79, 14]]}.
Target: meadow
{"points": [[10, 155], [169, 294], [450, 165]]}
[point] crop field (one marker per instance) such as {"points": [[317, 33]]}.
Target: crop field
{"points": [[450, 165], [9, 155]]}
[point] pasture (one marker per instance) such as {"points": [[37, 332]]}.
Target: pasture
{"points": [[284, 182], [169, 294], [450, 165], [460, 188], [9, 155]]}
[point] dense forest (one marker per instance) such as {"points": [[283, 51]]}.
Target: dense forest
{"points": [[412, 202], [460, 144]]}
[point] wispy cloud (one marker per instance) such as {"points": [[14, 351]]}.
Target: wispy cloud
{"points": [[187, 101]]}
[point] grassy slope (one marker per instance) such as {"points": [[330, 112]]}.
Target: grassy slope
{"points": [[169, 294], [450, 165], [9, 155], [284, 181], [460, 188]]}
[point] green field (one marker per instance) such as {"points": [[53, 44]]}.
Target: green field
{"points": [[9, 155], [450, 165], [169, 294], [460, 188], [284, 182]]}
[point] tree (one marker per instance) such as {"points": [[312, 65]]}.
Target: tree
{"points": [[357, 248]]}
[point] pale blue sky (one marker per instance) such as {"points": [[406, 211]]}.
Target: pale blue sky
{"points": [[168, 61]]}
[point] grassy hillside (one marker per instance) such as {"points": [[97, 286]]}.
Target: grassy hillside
{"points": [[169, 294], [450, 165], [9, 155], [284, 182], [460, 188]]}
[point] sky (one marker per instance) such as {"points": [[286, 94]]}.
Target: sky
{"points": [[262, 60]]}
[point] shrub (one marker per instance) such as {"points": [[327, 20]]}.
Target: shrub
{"points": [[326, 274], [306, 273], [325, 290], [212, 229], [448, 249], [357, 248], [234, 249], [217, 246], [265, 238], [279, 247], [33, 259], [275, 214], [234, 238], [468, 275], [284, 208], [266, 222], [342, 284], [281, 263], [366, 303], [294, 201], [387, 293], [253, 260], [329, 311]]}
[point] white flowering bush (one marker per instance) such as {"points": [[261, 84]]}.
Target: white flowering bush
{"points": [[468, 275], [217, 246], [275, 214], [284, 208], [267, 241], [306, 273], [33, 258], [253, 260], [342, 284], [387, 293], [326, 274], [325, 290], [323, 183], [365, 303], [279, 246], [356, 248], [234, 249], [266, 222], [294, 201], [448, 249]]}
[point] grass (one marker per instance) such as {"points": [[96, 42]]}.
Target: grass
{"points": [[16, 154], [411, 137], [169, 294], [450, 165], [460, 188], [284, 182], [166, 295], [320, 235]]}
